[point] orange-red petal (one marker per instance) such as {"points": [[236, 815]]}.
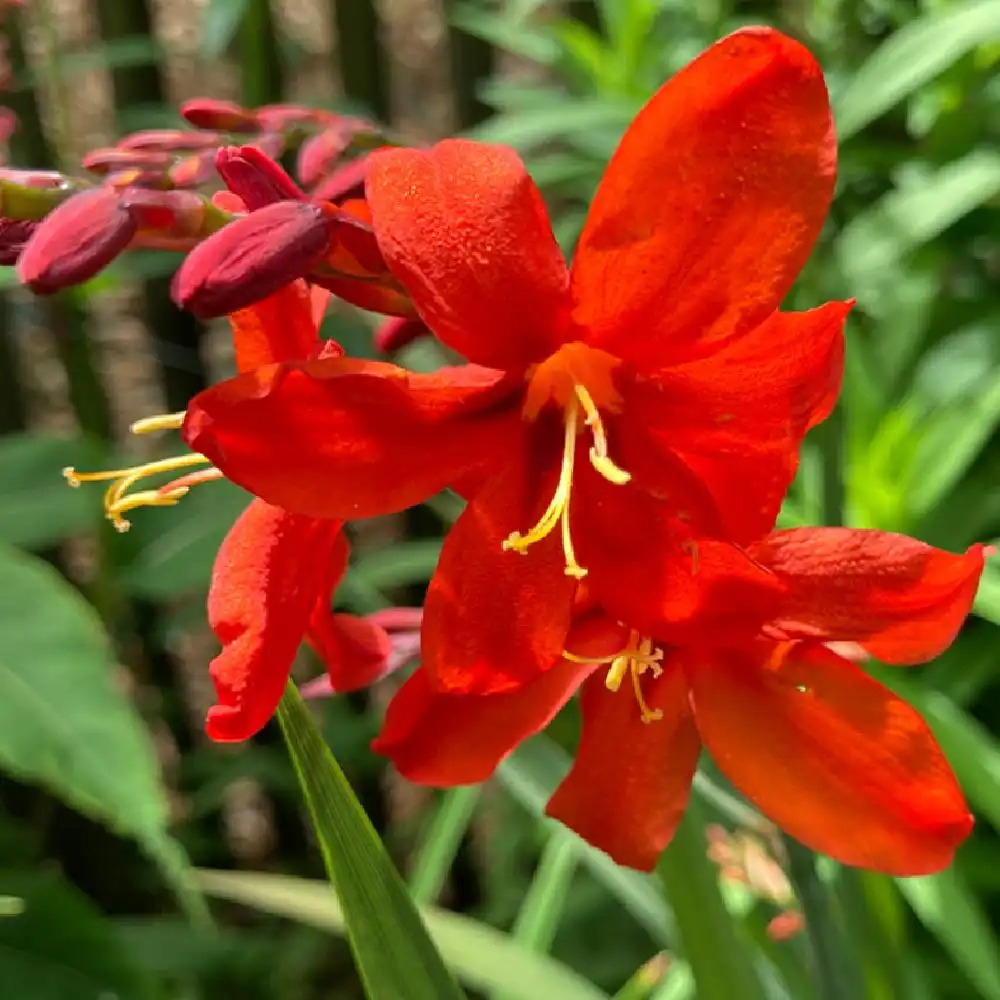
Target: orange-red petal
{"points": [[278, 328], [630, 781], [830, 755], [493, 619], [646, 569], [734, 421], [349, 438], [355, 651], [268, 576], [902, 600], [711, 204], [442, 739], [464, 228]]}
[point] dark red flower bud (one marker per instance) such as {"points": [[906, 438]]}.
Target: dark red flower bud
{"points": [[347, 181], [281, 117], [252, 258], [398, 331], [171, 140], [319, 154], [14, 235], [221, 116], [105, 161], [169, 213], [76, 241], [255, 177]]}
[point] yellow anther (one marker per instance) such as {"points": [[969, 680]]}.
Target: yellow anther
{"points": [[161, 422], [118, 500], [599, 451], [635, 659]]}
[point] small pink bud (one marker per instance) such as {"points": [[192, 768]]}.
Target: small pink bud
{"points": [[319, 154], [171, 140], [221, 116], [76, 241], [252, 258], [255, 177], [105, 161], [193, 170], [347, 181], [281, 117], [169, 213]]}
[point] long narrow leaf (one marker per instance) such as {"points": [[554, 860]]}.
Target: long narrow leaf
{"points": [[393, 951]]}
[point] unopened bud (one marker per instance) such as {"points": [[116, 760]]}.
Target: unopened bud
{"points": [[281, 117], [319, 154], [106, 161], [252, 258], [14, 236], [255, 177], [76, 241], [168, 213], [193, 170], [221, 116], [347, 181], [171, 140]]}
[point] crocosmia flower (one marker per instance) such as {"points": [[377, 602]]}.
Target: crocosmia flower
{"points": [[611, 413], [275, 572], [828, 753]]}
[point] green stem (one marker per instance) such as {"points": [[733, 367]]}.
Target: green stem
{"points": [[260, 50], [442, 842], [832, 967], [364, 70], [719, 958]]}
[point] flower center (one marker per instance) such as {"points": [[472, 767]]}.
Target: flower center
{"points": [[579, 379], [117, 498], [638, 656]]}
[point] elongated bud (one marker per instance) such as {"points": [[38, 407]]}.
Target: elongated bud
{"points": [[319, 154], [171, 140], [347, 181], [220, 116], [252, 258], [193, 170], [255, 177], [82, 236], [106, 161], [14, 236]]}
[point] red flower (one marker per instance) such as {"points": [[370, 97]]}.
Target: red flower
{"points": [[612, 413], [829, 754], [275, 571]]}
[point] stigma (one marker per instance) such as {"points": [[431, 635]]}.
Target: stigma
{"points": [[638, 656], [119, 498], [580, 380]]}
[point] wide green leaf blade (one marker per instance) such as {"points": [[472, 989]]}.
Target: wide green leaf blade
{"points": [[482, 956], [918, 52], [394, 954], [65, 724]]}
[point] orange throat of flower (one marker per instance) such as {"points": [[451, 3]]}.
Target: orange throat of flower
{"points": [[578, 379], [118, 499]]}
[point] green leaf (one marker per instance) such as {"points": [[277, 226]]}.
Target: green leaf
{"points": [[221, 21], [918, 52], [177, 545], [64, 722], [987, 603], [60, 946], [400, 564], [483, 957], [394, 954], [37, 507], [436, 855], [950, 911], [923, 206]]}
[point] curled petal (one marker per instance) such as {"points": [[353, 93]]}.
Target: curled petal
{"points": [[630, 780], [902, 600], [221, 116], [268, 575], [465, 230], [278, 328], [442, 739], [347, 438], [830, 755], [711, 204]]}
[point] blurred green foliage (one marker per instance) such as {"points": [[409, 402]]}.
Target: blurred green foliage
{"points": [[98, 739]]}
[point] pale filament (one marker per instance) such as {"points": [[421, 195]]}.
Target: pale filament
{"points": [[557, 511], [635, 659], [118, 500]]}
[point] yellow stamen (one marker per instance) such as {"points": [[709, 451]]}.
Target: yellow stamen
{"points": [[599, 451], [118, 500], [161, 422], [637, 657], [558, 508]]}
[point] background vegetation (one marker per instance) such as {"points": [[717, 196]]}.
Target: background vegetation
{"points": [[110, 794]]}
